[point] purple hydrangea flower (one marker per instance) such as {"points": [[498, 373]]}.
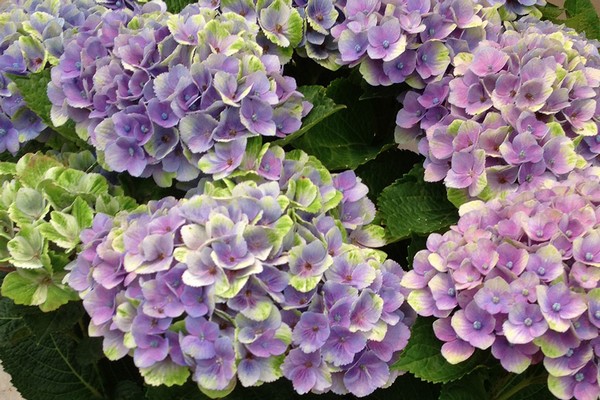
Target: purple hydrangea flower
{"points": [[33, 39], [248, 281], [536, 299], [509, 100], [155, 102]]}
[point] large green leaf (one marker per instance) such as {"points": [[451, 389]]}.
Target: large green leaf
{"points": [[32, 168], [469, 387], [323, 107], [12, 328], [575, 7], [352, 136], [37, 288], [580, 15], [423, 357], [413, 206], [384, 170], [33, 89], [587, 22], [38, 351], [43, 324], [28, 249], [529, 385], [47, 370]]}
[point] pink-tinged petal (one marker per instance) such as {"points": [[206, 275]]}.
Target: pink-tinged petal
{"points": [[488, 60]]}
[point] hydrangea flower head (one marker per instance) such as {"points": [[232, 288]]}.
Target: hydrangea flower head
{"points": [[512, 278], [33, 36], [167, 95], [250, 278], [510, 112]]}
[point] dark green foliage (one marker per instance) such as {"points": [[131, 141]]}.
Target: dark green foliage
{"points": [[352, 136], [577, 14], [413, 206]]}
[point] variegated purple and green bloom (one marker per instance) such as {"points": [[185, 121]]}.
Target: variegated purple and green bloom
{"points": [[32, 37], [511, 113], [167, 95], [520, 276], [260, 275]]}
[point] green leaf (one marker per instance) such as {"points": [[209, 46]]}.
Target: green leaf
{"points": [[33, 89], [12, 328], [384, 170], [48, 370], [423, 358], [83, 214], [323, 107], [32, 168], [529, 385], [469, 387], [37, 288], [112, 205], [575, 7], [29, 207], [28, 249], [587, 22], [127, 390], [551, 12], [43, 324], [413, 206], [351, 136], [89, 349], [7, 168], [62, 230]]}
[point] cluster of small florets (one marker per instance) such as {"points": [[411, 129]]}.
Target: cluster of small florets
{"points": [[413, 41], [160, 94], [249, 280], [521, 276], [512, 112], [32, 36]]}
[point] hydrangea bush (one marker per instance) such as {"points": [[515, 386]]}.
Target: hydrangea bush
{"points": [[220, 203], [520, 276], [249, 280]]}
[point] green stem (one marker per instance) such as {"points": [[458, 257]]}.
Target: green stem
{"points": [[520, 386]]}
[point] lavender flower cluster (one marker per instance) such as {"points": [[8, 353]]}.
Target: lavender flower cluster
{"points": [[511, 113], [32, 36], [520, 276], [163, 94], [411, 42], [385, 37], [251, 279]]}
